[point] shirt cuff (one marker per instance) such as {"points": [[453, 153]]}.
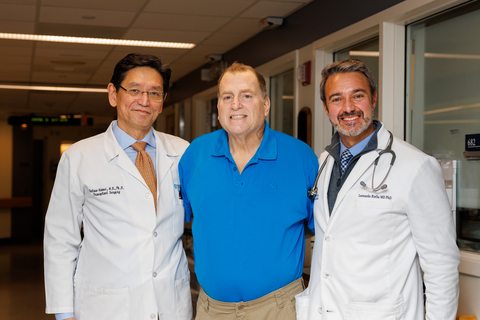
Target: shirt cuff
{"points": [[61, 316]]}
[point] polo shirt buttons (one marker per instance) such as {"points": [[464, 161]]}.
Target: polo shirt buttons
{"points": [[148, 195], [152, 316], [326, 275], [155, 233], [154, 274], [320, 310], [234, 168], [327, 238]]}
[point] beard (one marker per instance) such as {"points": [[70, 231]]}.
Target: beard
{"points": [[354, 129]]}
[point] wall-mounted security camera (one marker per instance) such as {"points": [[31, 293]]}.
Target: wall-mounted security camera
{"points": [[270, 22], [213, 57]]}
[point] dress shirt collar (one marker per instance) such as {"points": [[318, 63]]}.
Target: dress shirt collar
{"points": [[356, 149], [125, 140]]}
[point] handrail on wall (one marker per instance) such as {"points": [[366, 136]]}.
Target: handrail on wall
{"points": [[16, 202]]}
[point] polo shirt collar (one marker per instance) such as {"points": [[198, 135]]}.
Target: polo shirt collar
{"points": [[266, 151]]}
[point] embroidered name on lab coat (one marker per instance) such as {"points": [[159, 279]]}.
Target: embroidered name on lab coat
{"points": [[375, 196], [106, 191]]}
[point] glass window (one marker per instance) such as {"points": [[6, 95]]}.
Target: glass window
{"points": [[367, 52], [443, 102], [282, 103]]}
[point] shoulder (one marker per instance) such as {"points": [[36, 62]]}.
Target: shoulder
{"points": [[172, 143], [406, 151], [85, 145], [291, 144], [205, 141]]}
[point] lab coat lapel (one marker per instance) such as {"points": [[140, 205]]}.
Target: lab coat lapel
{"points": [[164, 151], [164, 163], [114, 151], [323, 190], [364, 163]]}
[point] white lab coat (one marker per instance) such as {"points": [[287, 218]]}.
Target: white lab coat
{"points": [[368, 254], [131, 264]]}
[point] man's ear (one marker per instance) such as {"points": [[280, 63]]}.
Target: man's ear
{"points": [[112, 95], [325, 107], [266, 105]]}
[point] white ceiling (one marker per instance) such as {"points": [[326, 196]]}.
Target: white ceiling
{"points": [[215, 26]]}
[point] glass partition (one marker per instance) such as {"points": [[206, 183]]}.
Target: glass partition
{"points": [[282, 103], [443, 102]]}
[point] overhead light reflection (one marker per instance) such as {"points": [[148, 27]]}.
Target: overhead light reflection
{"points": [[426, 55], [468, 106]]}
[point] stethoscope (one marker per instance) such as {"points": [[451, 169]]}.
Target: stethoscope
{"points": [[312, 192]]}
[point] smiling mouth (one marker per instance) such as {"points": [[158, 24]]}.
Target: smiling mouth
{"points": [[238, 117], [142, 111], [350, 117]]}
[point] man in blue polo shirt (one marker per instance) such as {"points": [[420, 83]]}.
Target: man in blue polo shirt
{"points": [[246, 187]]}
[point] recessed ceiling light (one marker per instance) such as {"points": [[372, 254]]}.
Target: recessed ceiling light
{"points": [[100, 41]]}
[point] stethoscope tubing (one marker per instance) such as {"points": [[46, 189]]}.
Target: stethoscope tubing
{"points": [[312, 192]]}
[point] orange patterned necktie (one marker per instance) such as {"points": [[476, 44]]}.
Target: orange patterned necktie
{"points": [[145, 165]]}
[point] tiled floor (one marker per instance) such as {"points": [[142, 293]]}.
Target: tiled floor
{"points": [[22, 294]]}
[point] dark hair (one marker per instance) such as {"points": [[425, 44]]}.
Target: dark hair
{"points": [[345, 66], [135, 60], [240, 67]]}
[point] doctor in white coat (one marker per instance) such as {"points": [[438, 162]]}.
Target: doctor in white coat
{"points": [[371, 245], [128, 262]]}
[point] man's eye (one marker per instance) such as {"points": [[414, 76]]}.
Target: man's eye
{"points": [[227, 98], [134, 91], [154, 93]]}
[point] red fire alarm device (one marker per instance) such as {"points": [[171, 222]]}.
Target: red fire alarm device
{"points": [[304, 73]]}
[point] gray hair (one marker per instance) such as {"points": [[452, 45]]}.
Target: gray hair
{"points": [[345, 66]]}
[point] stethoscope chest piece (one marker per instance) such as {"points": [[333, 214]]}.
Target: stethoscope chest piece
{"points": [[381, 186]]}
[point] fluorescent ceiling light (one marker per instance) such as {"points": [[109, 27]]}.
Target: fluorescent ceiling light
{"points": [[50, 88], [102, 41], [364, 53]]}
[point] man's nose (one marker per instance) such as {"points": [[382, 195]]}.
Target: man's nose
{"points": [[236, 104], [143, 99], [349, 106]]}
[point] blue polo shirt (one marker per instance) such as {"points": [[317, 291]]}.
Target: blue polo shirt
{"points": [[248, 229]]}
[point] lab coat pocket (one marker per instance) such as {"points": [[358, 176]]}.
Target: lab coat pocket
{"points": [[183, 298], [374, 311], [374, 205], [301, 305], [104, 303]]}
